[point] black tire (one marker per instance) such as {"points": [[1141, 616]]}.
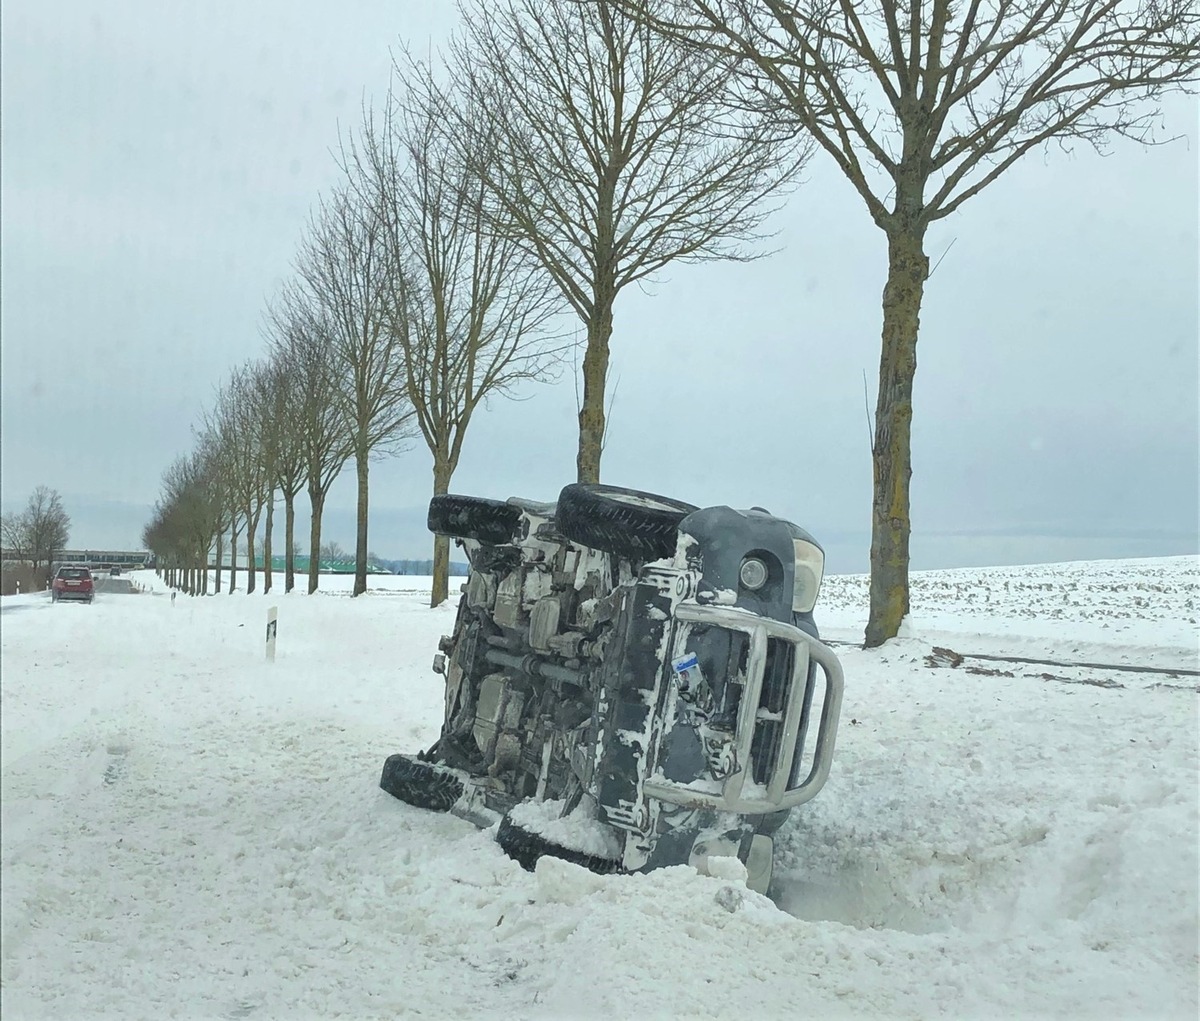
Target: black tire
{"points": [[526, 847], [472, 517], [624, 522], [421, 784]]}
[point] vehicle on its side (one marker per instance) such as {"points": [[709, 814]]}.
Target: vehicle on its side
{"points": [[72, 583], [631, 682]]}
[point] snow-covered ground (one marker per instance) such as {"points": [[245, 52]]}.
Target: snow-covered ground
{"points": [[191, 832]]}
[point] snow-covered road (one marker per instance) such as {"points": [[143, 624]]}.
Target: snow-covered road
{"points": [[191, 832]]}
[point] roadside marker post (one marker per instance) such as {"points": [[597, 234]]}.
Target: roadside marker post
{"points": [[272, 631]]}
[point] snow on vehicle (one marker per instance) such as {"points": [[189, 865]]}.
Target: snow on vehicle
{"points": [[632, 681]]}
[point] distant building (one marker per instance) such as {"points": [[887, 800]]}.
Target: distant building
{"points": [[131, 559]]}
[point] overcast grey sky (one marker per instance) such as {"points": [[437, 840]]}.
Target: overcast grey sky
{"points": [[159, 162]]}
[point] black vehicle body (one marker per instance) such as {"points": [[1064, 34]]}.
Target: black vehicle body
{"points": [[647, 670]]}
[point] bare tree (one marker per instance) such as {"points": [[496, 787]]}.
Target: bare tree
{"points": [[614, 154], [332, 550], [219, 446], [188, 519], [268, 394], [286, 456], [161, 538], [348, 269], [216, 473], [38, 532], [471, 307], [304, 349], [13, 536], [238, 418], [213, 506], [185, 522], [922, 105]]}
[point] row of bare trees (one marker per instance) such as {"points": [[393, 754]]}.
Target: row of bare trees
{"points": [[561, 151], [467, 223]]}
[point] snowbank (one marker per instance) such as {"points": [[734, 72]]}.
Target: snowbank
{"points": [[189, 831]]}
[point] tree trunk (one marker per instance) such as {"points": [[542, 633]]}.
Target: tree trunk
{"points": [[317, 499], [441, 543], [361, 459], [595, 374], [251, 528], [908, 268], [289, 540], [220, 558], [267, 544], [232, 560]]}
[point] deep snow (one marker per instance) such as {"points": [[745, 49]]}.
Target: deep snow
{"points": [[189, 831]]}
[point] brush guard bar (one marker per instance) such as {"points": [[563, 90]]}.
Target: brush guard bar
{"points": [[737, 793]]}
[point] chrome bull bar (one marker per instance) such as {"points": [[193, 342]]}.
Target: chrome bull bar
{"points": [[736, 794]]}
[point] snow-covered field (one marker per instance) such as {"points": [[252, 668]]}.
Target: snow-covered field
{"points": [[191, 832]]}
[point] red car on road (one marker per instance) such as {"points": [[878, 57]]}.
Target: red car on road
{"points": [[72, 583]]}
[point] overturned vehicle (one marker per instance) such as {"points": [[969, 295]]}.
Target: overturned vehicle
{"points": [[632, 681]]}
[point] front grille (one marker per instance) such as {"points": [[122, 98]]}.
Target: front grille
{"points": [[768, 730]]}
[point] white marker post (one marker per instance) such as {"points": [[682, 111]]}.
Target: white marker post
{"points": [[272, 629]]}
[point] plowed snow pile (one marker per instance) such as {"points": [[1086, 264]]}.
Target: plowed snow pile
{"points": [[191, 832]]}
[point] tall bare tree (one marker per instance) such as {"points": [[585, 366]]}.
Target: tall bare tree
{"points": [[922, 104], [303, 346], [219, 447], [239, 418], [471, 308], [614, 154], [347, 267], [268, 397], [287, 459], [215, 478]]}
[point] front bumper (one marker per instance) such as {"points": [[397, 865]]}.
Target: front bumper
{"points": [[779, 786]]}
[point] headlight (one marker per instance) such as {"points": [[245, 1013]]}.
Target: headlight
{"points": [[753, 574], [810, 567]]}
